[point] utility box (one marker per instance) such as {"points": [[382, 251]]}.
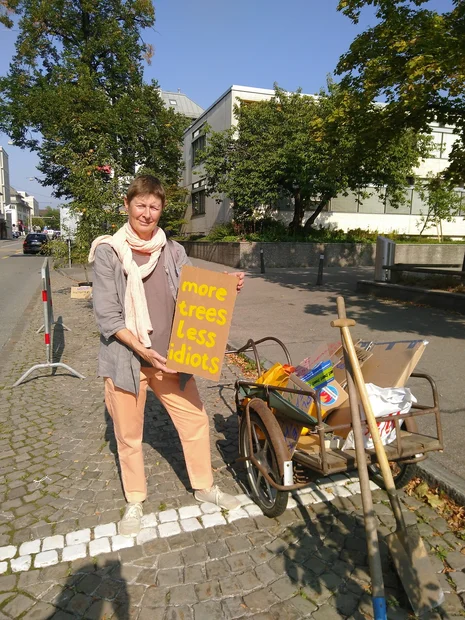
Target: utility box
{"points": [[385, 255]]}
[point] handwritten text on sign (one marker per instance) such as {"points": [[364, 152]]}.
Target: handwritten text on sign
{"points": [[201, 323]]}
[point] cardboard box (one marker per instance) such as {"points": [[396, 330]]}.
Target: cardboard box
{"points": [[390, 365], [331, 396], [312, 442], [81, 292]]}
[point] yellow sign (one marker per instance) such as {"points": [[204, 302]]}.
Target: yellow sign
{"points": [[201, 323]]}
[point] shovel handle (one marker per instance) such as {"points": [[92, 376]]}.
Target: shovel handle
{"points": [[371, 420]]}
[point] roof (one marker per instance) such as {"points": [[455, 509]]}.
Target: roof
{"points": [[181, 103]]}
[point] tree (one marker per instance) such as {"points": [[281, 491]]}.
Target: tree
{"points": [[413, 58], [307, 149], [75, 95], [443, 202], [51, 218]]}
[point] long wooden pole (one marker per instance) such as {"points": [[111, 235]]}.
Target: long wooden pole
{"points": [[371, 532]]}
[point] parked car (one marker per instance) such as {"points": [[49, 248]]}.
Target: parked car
{"points": [[34, 243]]}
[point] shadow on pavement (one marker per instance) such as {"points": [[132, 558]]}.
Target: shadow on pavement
{"points": [[58, 342], [94, 591]]}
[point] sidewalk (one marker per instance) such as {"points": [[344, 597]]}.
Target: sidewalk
{"points": [[60, 498]]}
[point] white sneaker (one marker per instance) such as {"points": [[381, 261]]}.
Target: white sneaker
{"points": [[130, 523], [215, 496]]}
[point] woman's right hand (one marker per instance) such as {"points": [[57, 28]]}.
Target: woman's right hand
{"points": [[156, 360]]}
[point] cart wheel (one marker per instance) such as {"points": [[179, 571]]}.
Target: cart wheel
{"points": [[272, 502], [402, 473]]}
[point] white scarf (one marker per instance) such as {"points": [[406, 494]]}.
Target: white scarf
{"points": [[125, 240]]}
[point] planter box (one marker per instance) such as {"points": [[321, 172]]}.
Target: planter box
{"points": [[246, 255]]}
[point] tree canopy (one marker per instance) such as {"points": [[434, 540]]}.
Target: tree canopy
{"points": [[414, 59], [308, 150], [75, 95]]}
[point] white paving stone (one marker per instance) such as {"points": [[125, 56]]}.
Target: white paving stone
{"points": [[148, 533], [166, 516], [149, 520], [307, 498], [121, 542], [234, 515], [7, 552], [339, 479], [209, 508], [253, 510], [244, 499], [374, 486], [211, 520], [322, 483], [187, 512], [3, 567], [31, 546], [341, 491], [191, 524], [47, 558], [78, 538], [101, 545], [291, 503], [105, 530], [74, 552], [21, 564], [53, 542], [169, 529], [324, 495], [354, 487]]}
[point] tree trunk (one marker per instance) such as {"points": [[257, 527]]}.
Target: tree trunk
{"points": [[311, 220], [299, 212]]}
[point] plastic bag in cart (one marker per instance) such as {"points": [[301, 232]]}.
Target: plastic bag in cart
{"points": [[384, 401]]}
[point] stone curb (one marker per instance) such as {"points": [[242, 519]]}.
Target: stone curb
{"points": [[90, 542], [437, 299]]}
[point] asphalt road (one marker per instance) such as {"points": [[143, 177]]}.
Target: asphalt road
{"points": [[19, 281]]}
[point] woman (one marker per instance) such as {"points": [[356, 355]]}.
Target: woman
{"points": [[136, 274]]}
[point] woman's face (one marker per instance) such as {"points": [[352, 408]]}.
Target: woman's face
{"points": [[144, 213]]}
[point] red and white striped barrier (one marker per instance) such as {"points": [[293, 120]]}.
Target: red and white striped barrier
{"points": [[47, 327]]}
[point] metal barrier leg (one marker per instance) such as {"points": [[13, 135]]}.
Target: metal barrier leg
{"points": [[48, 365], [54, 323]]}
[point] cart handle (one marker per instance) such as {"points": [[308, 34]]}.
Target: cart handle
{"points": [[251, 345]]}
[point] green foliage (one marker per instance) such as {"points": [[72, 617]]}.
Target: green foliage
{"points": [[313, 149], [414, 59], [86, 112], [442, 201], [51, 218]]}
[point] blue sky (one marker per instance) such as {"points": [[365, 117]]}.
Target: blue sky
{"points": [[203, 47]]}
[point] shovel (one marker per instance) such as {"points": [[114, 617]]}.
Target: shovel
{"points": [[374, 557], [405, 545]]}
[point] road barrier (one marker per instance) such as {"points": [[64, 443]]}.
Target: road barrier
{"points": [[47, 327]]}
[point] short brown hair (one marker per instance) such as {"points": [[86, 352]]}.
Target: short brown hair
{"points": [[146, 184]]}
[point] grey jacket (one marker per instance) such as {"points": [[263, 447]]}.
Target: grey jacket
{"points": [[116, 360]]}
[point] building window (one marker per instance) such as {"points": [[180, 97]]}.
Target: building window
{"points": [[198, 197], [198, 144], [198, 203]]}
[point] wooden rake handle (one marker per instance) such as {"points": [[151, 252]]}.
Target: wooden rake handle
{"points": [[383, 462]]}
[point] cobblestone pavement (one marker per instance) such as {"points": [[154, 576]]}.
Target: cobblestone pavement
{"points": [[59, 487]]}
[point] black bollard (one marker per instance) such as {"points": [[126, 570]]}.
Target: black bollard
{"points": [[319, 279], [262, 262]]}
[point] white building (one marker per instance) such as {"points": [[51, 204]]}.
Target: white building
{"points": [[20, 211], [180, 103], [343, 212], [31, 201], [5, 223]]}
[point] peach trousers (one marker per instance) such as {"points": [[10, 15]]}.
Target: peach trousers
{"points": [[187, 414]]}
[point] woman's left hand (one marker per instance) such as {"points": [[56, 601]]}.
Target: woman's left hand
{"points": [[240, 275]]}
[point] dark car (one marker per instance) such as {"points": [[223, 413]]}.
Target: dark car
{"points": [[34, 243]]}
